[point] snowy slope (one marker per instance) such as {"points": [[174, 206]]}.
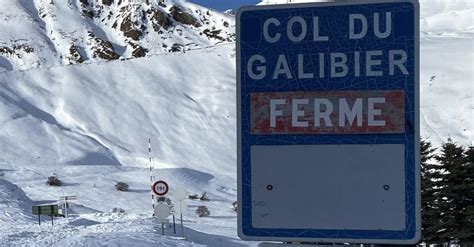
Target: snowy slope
{"points": [[447, 74], [90, 122], [104, 113]]}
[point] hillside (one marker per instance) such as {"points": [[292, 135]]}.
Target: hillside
{"points": [[45, 33], [103, 114]]}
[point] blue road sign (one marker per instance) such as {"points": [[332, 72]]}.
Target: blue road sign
{"points": [[328, 122]]}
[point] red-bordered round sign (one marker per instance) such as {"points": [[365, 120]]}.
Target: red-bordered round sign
{"points": [[160, 188]]}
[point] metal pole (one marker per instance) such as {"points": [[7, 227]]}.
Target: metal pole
{"points": [[39, 216], [174, 225], [163, 229], [65, 207], [52, 219], [182, 228], [151, 175]]}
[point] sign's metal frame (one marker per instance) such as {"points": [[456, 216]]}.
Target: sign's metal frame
{"points": [[417, 236]]}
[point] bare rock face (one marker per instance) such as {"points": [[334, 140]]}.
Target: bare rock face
{"points": [[128, 30], [88, 13], [183, 17], [159, 19], [74, 55], [176, 47], [213, 34], [103, 49], [6, 50], [16, 50], [139, 52], [107, 2]]}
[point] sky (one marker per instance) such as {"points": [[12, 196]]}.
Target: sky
{"points": [[225, 4]]}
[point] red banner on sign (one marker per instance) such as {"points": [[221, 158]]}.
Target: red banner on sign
{"points": [[328, 112]]}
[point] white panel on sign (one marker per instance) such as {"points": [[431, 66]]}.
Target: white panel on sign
{"points": [[180, 194], [307, 178], [162, 210]]}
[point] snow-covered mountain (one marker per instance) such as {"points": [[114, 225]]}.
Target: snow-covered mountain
{"points": [[78, 99], [45, 33]]}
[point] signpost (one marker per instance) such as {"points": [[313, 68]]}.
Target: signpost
{"points": [[328, 122], [181, 206], [162, 212], [162, 209], [64, 201]]}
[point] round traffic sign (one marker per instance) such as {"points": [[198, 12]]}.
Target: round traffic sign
{"points": [[162, 211], [180, 194], [160, 188]]}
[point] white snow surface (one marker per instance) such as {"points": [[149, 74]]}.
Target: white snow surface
{"points": [[90, 123]]}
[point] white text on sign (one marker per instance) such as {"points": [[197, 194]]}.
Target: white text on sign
{"points": [[328, 112], [332, 64]]}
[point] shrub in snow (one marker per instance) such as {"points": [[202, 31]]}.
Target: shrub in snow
{"points": [[54, 181], [204, 197], [117, 210], [121, 186], [193, 196], [202, 211]]}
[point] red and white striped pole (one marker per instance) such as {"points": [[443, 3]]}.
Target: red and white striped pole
{"points": [[151, 174]]}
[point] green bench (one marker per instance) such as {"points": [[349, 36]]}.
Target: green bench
{"points": [[46, 209]]}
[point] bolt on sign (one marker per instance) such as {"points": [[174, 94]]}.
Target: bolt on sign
{"points": [[328, 122]]}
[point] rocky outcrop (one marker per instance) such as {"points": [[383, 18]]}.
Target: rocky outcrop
{"points": [[74, 55], [176, 47], [107, 2], [159, 19], [16, 49], [128, 30], [139, 52], [103, 49], [6, 50], [183, 17], [213, 34]]}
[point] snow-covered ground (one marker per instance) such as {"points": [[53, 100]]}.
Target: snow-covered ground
{"points": [[447, 71], [90, 124]]}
